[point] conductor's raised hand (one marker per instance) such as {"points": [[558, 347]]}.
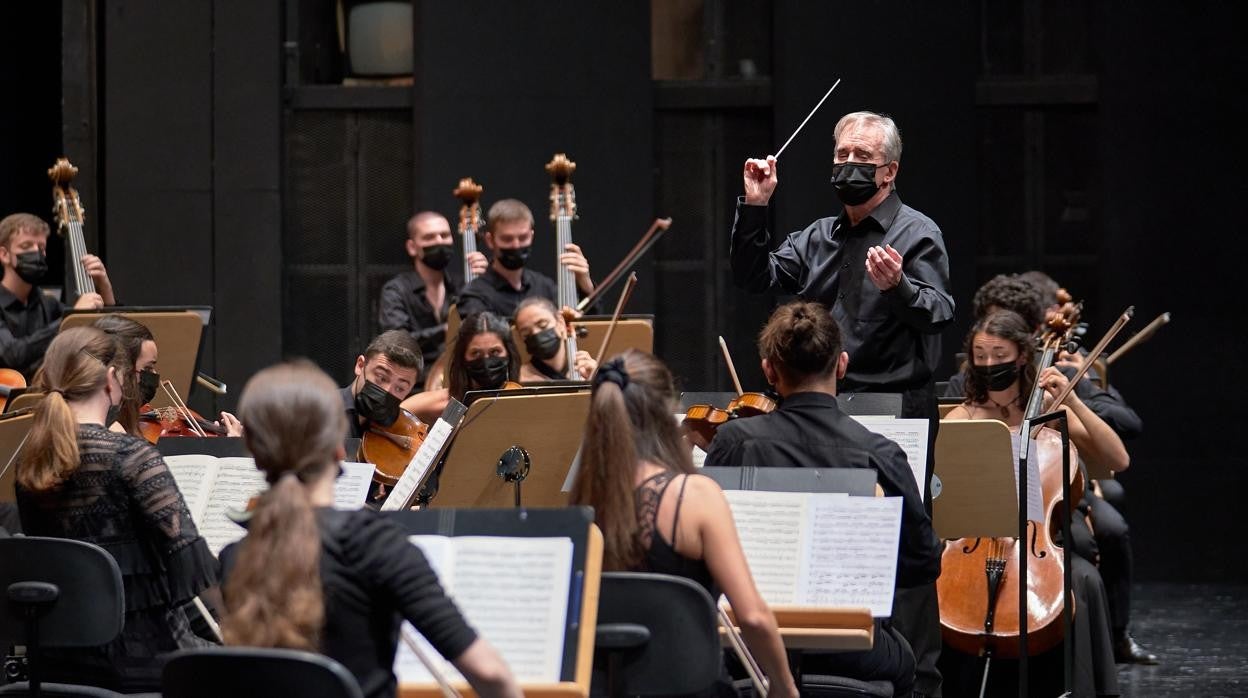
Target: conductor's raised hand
{"points": [[884, 267], [760, 180]]}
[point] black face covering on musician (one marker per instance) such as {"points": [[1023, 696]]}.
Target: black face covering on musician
{"points": [[376, 405], [514, 258], [488, 372], [997, 377], [543, 345], [437, 257]]}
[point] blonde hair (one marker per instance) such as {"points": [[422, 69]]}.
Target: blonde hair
{"points": [[17, 222], [74, 368]]}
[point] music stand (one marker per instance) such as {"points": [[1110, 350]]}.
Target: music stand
{"points": [[22, 400], [179, 332], [576, 523], [513, 448], [861, 404], [718, 399], [13, 431], [859, 482], [975, 467]]}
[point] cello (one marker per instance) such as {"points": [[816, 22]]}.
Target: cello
{"points": [[978, 585], [562, 212]]}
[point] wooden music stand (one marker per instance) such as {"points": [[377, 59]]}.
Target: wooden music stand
{"points": [[546, 425], [179, 333], [631, 332], [23, 401], [575, 523], [828, 628], [13, 431], [978, 492]]}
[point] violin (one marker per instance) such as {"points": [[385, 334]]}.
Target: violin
{"points": [[703, 421], [391, 448], [158, 422], [12, 378], [978, 586]]}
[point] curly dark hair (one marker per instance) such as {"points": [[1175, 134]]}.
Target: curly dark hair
{"points": [[1010, 292], [801, 339], [1009, 326]]}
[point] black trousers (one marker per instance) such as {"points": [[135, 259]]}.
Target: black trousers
{"points": [[889, 659], [1109, 547]]}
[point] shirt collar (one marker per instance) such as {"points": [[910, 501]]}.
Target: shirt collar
{"points": [[7, 299], [883, 215], [497, 281], [810, 399]]}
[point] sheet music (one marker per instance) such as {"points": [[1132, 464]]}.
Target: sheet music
{"points": [[237, 481], [910, 434], [853, 553], [1035, 500], [194, 475], [513, 591], [771, 526], [351, 487], [418, 466]]}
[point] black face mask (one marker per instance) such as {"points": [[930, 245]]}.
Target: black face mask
{"points": [[997, 376], [488, 372], [543, 345], [149, 383], [376, 405], [854, 182], [31, 267], [514, 258], [437, 257]]}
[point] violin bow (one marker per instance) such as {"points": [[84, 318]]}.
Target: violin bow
{"points": [[732, 370], [615, 319], [657, 228], [1138, 338], [181, 407], [759, 679], [1094, 354], [448, 691]]}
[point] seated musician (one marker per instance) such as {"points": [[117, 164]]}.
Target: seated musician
{"points": [[32, 319], [310, 577], [143, 381], [545, 337], [385, 374], [802, 359], [76, 479], [419, 300], [507, 281], [656, 513], [485, 356], [999, 376]]}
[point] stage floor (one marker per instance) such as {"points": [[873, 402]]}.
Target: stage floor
{"points": [[1198, 631]]}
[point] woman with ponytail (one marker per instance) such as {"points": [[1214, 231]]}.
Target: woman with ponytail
{"points": [[76, 479], [655, 513], [802, 359], [310, 577]]}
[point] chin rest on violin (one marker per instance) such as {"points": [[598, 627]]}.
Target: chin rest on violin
{"points": [[391, 448]]}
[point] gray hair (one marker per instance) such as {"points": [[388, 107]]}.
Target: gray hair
{"points": [[892, 136]]}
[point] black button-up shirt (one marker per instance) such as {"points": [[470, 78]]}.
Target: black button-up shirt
{"points": [[355, 430], [28, 329], [809, 430], [404, 306], [892, 336], [492, 292]]}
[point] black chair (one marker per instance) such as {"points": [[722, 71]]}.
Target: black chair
{"points": [[252, 672], [657, 635], [58, 593]]}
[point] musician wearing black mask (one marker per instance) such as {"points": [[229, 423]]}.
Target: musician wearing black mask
{"points": [[508, 280], [485, 356], [881, 267], [30, 318], [545, 337], [419, 300], [385, 374]]}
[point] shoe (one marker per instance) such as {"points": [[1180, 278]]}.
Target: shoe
{"points": [[1128, 651]]}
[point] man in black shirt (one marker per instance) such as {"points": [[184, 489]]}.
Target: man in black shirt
{"points": [[506, 282], [385, 374], [31, 318], [418, 301], [803, 360], [881, 267]]}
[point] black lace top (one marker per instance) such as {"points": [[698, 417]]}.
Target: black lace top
{"points": [[124, 499], [661, 556]]}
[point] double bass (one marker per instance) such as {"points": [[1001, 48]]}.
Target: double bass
{"points": [[978, 585], [68, 211], [562, 212]]}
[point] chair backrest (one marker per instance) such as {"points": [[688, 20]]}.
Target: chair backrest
{"points": [[90, 606], [683, 654], [247, 672]]}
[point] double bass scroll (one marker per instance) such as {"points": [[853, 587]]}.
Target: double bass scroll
{"points": [[469, 194]]}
